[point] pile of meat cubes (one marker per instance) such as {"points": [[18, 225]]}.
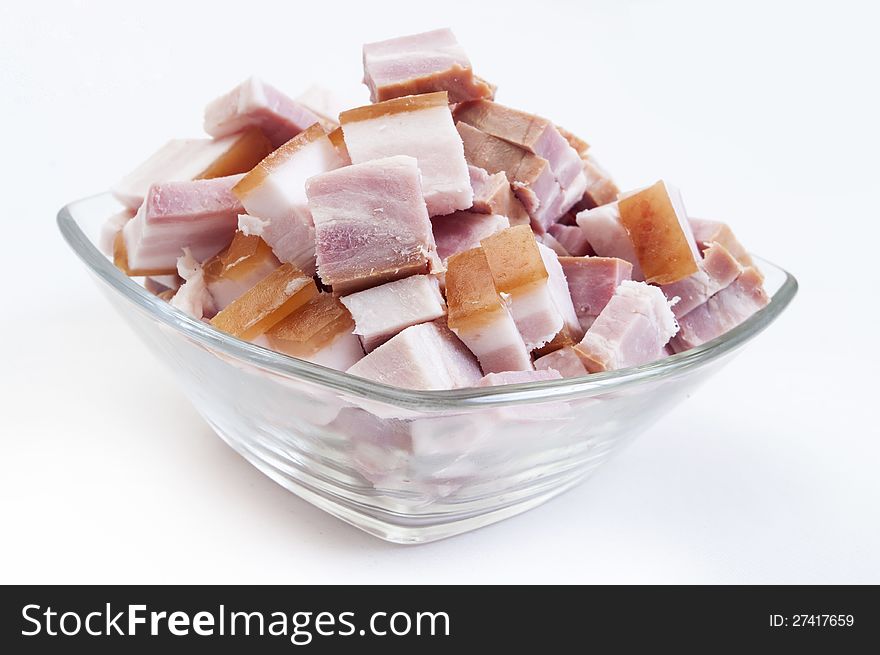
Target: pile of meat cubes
{"points": [[434, 239]]}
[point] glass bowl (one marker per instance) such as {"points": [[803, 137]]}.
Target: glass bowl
{"points": [[406, 466]]}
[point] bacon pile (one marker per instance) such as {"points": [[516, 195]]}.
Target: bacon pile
{"points": [[434, 239]]}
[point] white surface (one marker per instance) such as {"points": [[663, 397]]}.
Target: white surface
{"points": [[765, 114]]}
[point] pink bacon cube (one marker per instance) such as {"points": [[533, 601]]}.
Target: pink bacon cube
{"points": [[480, 318], [425, 356], [531, 177], [535, 134], [274, 191], [493, 195], [707, 232], [318, 332], [717, 269], [632, 330], [592, 282], [255, 103], [722, 312], [201, 215], [193, 159], [383, 311], [371, 224], [462, 231], [657, 224], [421, 63], [418, 126], [608, 237], [560, 295], [517, 264], [237, 269]]}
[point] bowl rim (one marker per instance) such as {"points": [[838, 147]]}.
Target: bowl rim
{"points": [[423, 400]]}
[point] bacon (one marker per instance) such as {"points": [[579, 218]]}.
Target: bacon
{"points": [[246, 261], [383, 311], [707, 232], [533, 133], [320, 331], [493, 195], [592, 282], [272, 299], [723, 311], [518, 269], [274, 191], [180, 160], [631, 330], [419, 126], [255, 103], [462, 231], [717, 269], [478, 316], [200, 215], [530, 176], [371, 224], [421, 63], [659, 231], [424, 356]]}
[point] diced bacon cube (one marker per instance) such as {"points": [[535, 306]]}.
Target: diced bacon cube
{"points": [[193, 296], [421, 63], [319, 332], [272, 299], [572, 238], [180, 160], [632, 330], [462, 231], [517, 266], [419, 126], [517, 377], [600, 189], [275, 192], [607, 235], [383, 311], [200, 215], [246, 261], [707, 232], [255, 103], [535, 134], [592, 282], [566, 361], [371, 224], [424, 356], [530, 176], [493, 195], [560, 295], [717, 269], [722, 312], [660, 233], [478, 316]]}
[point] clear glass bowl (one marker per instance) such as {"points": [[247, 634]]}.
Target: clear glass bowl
{"points": [[407, 466]]}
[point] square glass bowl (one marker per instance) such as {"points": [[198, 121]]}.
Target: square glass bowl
{"points": [[406, 466]]}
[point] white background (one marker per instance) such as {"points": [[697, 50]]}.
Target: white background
{"points": [[765, 114]]}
